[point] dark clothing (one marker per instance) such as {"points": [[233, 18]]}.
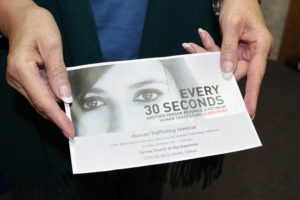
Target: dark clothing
{"points": [[34, 153], [119, 25]]}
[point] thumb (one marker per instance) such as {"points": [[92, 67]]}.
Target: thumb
{"points": [[229, 50], [56, 70]]}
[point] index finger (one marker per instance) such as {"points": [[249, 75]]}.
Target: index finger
{"points": [[42, 100], [231, 30], [255, 76]]}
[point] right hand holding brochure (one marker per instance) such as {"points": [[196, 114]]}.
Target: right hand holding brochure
{"points": [[152, 111]]}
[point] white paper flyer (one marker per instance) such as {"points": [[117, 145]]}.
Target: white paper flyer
{"points": [[151, 111]]}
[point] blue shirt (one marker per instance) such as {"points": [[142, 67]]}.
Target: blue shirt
{"points": [[120, 25]]}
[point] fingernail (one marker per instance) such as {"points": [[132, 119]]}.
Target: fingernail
{"points": [[227, 69], [65, 94], [186, 45], [253, 117], [71, 139], [67, 99], [201, 32]]}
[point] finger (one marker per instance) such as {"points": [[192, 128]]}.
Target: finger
{"points": [[17, 86], [193, 48], [51, 52], [241, 70], [44, 77], [229, 49], [207, 41], [255, 75], [188, 48], [41, 99], [197, 48]]}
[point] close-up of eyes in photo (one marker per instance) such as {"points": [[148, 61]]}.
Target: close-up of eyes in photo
{"points": [[113, 98], [92, 103], [147, 95]]}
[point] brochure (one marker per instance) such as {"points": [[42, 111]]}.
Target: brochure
{"points": [[151, 111]]}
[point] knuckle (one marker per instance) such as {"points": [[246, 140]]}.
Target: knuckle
{"points": [[10, 73], [266, 40], [19, 66], [10, 81], [13, 67], [235, 22], [265, 37], [53, 44], [232, 21], [228, 47], [11, 63], [58, 72]]}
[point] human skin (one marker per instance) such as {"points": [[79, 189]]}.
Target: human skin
{"points": [[34, 44], [107, 107], [246, 44]]}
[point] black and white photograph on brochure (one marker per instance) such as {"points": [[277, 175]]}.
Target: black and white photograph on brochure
{"points": [[120, 97], [151, 111]]}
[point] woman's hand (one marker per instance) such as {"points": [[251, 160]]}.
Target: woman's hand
{"points": [[207, 41], [245, 47], [35, 66]]}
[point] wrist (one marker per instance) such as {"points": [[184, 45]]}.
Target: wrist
{"points": [[218, 4]]}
